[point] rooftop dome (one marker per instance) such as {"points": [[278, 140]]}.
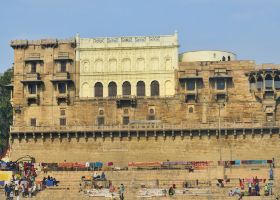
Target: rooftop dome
{"points": [[198, 56]]}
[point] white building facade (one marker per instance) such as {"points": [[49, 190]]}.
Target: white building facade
{"points": [[127, 66]]}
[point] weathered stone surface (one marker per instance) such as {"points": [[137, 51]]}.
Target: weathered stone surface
{"points": [[54, 126]]}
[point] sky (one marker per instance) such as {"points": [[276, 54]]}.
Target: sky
{"points": [[249, 28]]}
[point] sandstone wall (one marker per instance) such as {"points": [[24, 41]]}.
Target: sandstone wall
{"points": [[123, 151]]}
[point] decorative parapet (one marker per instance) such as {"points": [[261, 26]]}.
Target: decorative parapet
{"points": [[42, 42], [128, 41]]}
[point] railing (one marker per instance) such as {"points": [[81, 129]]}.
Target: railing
{"points": [[62, 75], [31, 76], [146, 127], [104, 42]]}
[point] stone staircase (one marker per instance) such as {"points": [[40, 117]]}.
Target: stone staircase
{"points": [[70, 180]]}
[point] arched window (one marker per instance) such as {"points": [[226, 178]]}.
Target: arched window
{"points": [[224, 58], [277, 83], [112, 89], [126, 88], [154, 88], [253, 85], [140, 88], [228, 58], [98, 89], [268, 82], [260, 83]]}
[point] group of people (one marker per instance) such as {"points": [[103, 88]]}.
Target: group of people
{"points": [[49, 181], [100, 177], [253, 188], [21, 186], [22, 182]]}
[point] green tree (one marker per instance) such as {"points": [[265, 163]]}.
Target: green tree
{"points": [[6, 111]]}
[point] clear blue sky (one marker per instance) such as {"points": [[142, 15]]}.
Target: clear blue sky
{"points": [[250, 28]]}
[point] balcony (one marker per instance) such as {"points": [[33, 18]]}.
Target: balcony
{"points": [[63, 98], [31, 76], [33, 99], [62, 56], [33, 57], [62, 77], [189, 74], [221, 95], [126, 101]]}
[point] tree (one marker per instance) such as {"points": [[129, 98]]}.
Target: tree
{"points": [[6, 111]]}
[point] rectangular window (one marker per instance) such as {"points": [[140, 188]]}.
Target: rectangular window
{"points": [[268, 95], [63, 66], [33, 121], [62, 121], [100, 121], [32, 88], [33, 67], [191, 84], [62, 88], [221, 97], [221, 84], [190, 98], [62, 112], [269, 117], [32, 101], [260, 84], [125, 120], [268, 84], [61, 101]]}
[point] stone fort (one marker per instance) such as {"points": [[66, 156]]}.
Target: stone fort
{"points": [[129, 99]]}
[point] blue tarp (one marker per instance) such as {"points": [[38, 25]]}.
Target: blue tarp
{"points": [[98, 164], [49, 183]]}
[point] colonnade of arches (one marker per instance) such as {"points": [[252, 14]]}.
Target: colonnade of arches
{"points": [[264, 82], [126, 89]]}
